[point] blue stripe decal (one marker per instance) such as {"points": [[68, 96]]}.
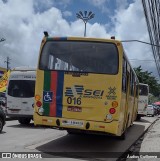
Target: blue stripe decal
{"points": [[60, 82]]}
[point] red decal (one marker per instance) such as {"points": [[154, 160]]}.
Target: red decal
{"points": [[54, 89]]}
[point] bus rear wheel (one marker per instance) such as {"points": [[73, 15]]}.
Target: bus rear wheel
{"points": [[24, 121], [71, 132], [138, 117], [123, 136]]}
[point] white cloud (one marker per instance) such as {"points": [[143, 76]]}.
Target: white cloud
{"points": [[130, 24], [121, 4], [67, 13], [97, 30], [23, 28], [42, 5], [103, 5], [98, 2]]}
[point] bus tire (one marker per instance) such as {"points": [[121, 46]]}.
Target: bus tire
{"points": [[24, 121], [1, 125], [138, 117], [123, 136], [72, 132]]}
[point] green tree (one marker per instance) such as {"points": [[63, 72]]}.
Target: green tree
{"points": [[147, 78]]}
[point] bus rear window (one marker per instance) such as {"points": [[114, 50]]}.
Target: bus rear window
{"points": [[21, 88], [143, 90], [94, 57]]}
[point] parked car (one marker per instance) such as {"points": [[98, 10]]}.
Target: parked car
{"points": [[157, 109], [3, 105], [2, 119], [150, 111]]}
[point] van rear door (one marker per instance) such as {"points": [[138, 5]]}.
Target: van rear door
{"points": [[28, 96], [14, 102]]}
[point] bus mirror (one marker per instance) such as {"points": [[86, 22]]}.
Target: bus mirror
{"points": [[46, 34], [113, 37]]}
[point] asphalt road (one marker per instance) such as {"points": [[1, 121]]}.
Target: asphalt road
{"points": [[18, 138]]}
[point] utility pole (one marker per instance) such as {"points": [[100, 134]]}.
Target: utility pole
{"points": [[7, 62]]}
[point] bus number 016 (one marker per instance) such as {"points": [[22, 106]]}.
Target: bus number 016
{"points": [[76, 101]]}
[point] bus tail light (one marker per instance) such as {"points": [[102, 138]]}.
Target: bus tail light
{"points": [[114, 104], [39, 103], [112, 110], [37, 97]]}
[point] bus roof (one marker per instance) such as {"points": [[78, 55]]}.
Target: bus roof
{"points": [[143, 84], [22, 74], [50, 38], [24, 68], [82, 39]]}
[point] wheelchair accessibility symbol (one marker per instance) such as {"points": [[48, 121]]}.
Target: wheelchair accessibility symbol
{"points": [[47, 96]]}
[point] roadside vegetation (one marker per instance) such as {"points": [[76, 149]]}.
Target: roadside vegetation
{"points": [[154, 86]]}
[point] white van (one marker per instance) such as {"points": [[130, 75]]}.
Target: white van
{"points": [[143, 100], [20, 94]]}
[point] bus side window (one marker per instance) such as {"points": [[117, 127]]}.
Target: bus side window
{"points": [[137, 90], [124, 75], [131, 83]]}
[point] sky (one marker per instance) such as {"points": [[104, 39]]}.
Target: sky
{"points": [[22, 23]]}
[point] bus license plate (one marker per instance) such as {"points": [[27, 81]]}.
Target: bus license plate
{"points": [[73, 123], [14, 111]]}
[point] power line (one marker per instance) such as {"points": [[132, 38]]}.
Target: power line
{"points": [[7, 62], [156, 58], [140, 60], [140, 42]]}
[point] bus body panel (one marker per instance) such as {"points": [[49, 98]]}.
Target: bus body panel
{"points": [[143, 99], [89, 101], [122, 119], [131, 109]]}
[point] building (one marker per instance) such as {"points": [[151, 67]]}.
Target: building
{"points": [[152, 15]]}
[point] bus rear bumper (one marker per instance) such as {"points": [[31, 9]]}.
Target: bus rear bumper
{"points": [[141, 114], [78, 125], [16, 116]]}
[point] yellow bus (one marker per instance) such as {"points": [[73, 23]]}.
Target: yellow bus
{"points": [[85, 85]]}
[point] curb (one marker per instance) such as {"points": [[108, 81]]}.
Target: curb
{"points": [[129, 151]]}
